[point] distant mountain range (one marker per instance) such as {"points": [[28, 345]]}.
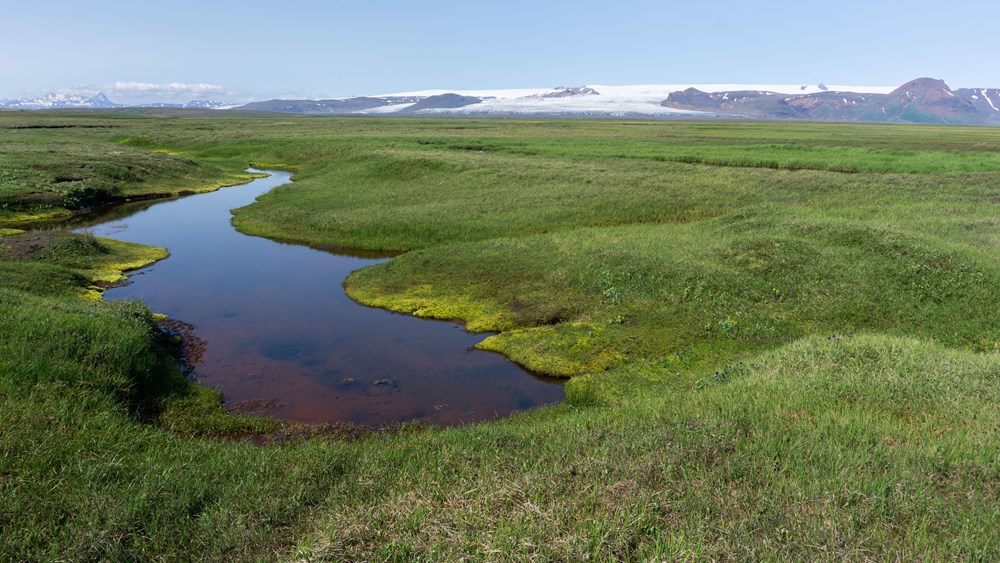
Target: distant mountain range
{"points": [[339, 106], [100, 101], [924, 100], [59, 101]]}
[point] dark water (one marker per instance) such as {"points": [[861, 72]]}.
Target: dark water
{"points": [[281, 334]]}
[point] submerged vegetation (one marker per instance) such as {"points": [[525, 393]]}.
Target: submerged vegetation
{"points": [[782, 340]]}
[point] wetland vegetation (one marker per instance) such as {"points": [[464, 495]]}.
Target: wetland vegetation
{"points": [[781, 339]]}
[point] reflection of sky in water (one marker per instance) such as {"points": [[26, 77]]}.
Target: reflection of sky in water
{"points": [[279, 326]]}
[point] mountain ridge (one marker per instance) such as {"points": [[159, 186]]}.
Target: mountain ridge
{"points": [[923, 100], [99, 101]]}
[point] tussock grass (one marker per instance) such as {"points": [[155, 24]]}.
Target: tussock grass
{"points": [[829, 448]]}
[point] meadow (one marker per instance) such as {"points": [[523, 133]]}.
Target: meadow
{"points": [[781, 342]]}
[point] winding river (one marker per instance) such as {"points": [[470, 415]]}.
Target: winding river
{"points": [[282, 338]]}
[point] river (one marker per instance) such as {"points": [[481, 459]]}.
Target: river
{"points": [[282, 338]]}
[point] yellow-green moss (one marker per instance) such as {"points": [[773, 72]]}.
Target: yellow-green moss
{"points": [[21, 218], [564, 350], [9, 232], [421, 301], [123, 257], [232, 180], [25, 218]]}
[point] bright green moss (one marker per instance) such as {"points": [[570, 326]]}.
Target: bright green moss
{"points": [[422, 301], [564, 350]]}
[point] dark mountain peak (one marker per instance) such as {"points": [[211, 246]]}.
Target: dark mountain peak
{"points": [[926, 100], [100, 101], [692, 99], [443, 101], [746, 103], [921, 87], [100, 97], [566, 92]]}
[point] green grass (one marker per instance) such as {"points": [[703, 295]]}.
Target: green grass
{"points": [[830, 448], [781, 339], [54, 168], [703, 290]]}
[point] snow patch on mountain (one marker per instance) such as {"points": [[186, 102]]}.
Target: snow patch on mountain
{"points": [[987, 96], [208, 104], [391, 108], [100, 101], [600, 99], [655, 92], [59, 101]]}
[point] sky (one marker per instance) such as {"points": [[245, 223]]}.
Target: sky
{"points": [[178, 50]]}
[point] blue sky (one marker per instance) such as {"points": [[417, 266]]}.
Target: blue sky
{"points": [[221, 49]]}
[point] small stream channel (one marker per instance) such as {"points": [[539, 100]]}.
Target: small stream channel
{"points": [[283, 339]]}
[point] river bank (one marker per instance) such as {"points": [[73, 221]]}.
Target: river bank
{"points": [[280, 338]]}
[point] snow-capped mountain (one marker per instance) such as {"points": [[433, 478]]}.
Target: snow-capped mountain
{"points": [[923, 100], [60, 101], [642, 101], [100, 101], [920, 101]]}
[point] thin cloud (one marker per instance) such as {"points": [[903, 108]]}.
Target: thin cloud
{"points": [[149, 91], [168, 89]]}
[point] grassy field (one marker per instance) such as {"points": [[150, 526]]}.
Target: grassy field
{"points": [[782, 339], [51, 169]]}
